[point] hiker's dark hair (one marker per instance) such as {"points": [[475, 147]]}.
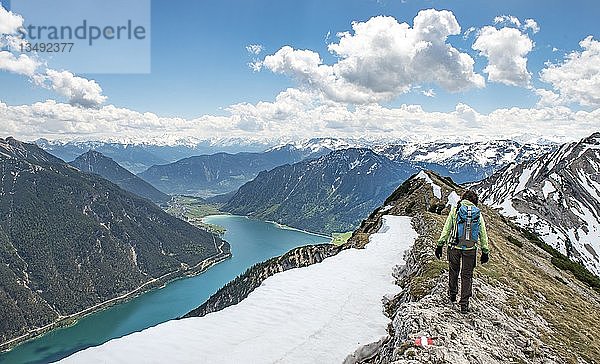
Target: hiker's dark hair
{"points": [[469, 195]]}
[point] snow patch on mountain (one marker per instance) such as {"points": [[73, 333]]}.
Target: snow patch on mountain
{"points": [[437, 190], [557, 196], [548, 188], [315, 314], [453, 199], [466, 161]]}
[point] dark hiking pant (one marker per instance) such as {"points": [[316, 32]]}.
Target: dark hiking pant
{"points": [[469, 259]]}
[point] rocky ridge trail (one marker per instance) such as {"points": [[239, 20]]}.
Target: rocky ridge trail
{"points": [[523, 310]]}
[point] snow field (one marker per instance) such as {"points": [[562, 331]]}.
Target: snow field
{"points": [[317, 314]]}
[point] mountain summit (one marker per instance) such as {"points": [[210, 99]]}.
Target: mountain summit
{"points": [[527, 301], [11, 148], [467, 161], [208, 175], [96, 162], [329, 194]]}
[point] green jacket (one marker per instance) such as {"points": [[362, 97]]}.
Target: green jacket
{"points": [[449, 227]]}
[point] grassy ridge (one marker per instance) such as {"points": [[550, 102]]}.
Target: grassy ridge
{"points": [[341, 238], [562, 262], [535, 278]]}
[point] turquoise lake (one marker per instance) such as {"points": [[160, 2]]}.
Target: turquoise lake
{"points": [[252, 241]]}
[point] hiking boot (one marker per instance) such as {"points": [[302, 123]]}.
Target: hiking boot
{"points": [[464, 309], [452, 298]]}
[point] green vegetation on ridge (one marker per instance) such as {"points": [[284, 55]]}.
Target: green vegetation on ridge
{"points": [[341, 238]]}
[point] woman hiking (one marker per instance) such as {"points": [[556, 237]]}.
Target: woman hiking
{"points": [[464, 227]]}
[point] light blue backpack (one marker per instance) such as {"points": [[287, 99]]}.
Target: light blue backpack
{"points": [[467, 226]]}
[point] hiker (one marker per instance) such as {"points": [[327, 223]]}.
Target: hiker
{"points": [[463, 228]]}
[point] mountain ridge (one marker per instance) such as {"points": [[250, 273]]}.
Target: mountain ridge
{"points": [[557, 196], [96, 162], [329, 194], [219, 173], [491, 154], [525, 308], [466, 161]]}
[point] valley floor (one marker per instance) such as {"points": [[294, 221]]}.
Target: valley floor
{"points": [[320, 313]]}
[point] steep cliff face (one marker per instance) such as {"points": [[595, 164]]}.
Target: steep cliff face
{"points": [[526, 307]]}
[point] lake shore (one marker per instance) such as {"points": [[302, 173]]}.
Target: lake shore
{"points": [[154, 283], [279, 225], [252, 241]]}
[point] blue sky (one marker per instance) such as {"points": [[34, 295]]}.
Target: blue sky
{"points": [[200, 63]]}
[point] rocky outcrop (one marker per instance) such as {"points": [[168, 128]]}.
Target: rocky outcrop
{"points": [[238, 289]]}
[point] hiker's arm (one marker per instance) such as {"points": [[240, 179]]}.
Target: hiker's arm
{"points": [[447, 229], [483, 238]]}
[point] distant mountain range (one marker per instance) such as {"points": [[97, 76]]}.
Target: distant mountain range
{"points": [[137, 157], [71, 240], [189, 169], [558, 196], [209, 175], [329, 194], [464, 162], [282, 184], [308, 195], [96, 162]]}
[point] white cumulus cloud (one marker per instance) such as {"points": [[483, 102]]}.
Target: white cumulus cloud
{"points": [[23, 64], [506, 50], [9, 22], [468, 32], [20, 63], [296, 114], [383, 58], [577, 78], [507, 19], [78, 90], [531, 24], [510, 20]]}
